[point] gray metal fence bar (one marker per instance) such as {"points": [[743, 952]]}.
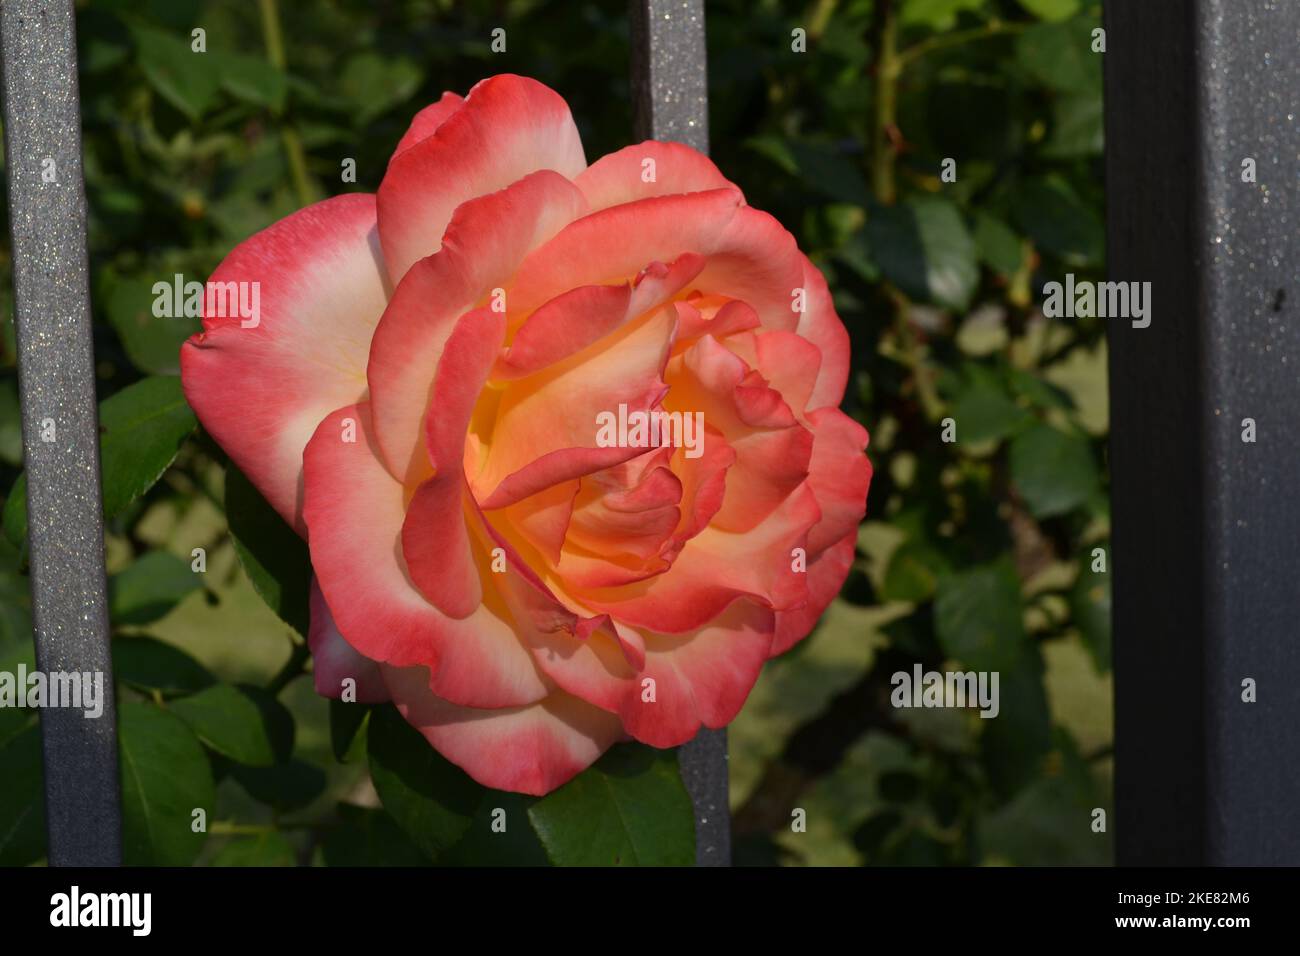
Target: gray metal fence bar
{"points": [[671, 101], [1202, 144], [670, 76], [47, 223]]}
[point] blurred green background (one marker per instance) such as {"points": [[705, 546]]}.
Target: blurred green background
{"points": [[978, 553]]}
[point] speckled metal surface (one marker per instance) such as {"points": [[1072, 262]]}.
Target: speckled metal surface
{"points": [[42, 124], [1206, 525], [670, 90], [670, 80], [1249, 253]]}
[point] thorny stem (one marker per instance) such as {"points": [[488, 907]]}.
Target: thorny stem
{"points": [[884, 156], [274, 40], [820, 17], [271, 32], [887, 70], [943, 41]]}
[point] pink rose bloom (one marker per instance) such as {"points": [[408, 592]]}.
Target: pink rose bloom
{"points": [[427, 396]]}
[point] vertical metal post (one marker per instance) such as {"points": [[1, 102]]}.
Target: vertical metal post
{"points": [[1203, 138], [47, 223], [671, 103], [670, 75]]}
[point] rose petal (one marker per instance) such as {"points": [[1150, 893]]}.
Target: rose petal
{"points": [[556, 410], [840, 475], [509, 126], [552, 468], [426, 122], [613, 245], [531, 749], [435, 540], [820, 325], [565, 325], [714, 569], [621, 177], [575, 319], [729, 319], [698, 679], [772, 449], [261, 391], [826, 575], [612, 515], [354, 511], [334, 660], [485, 242], [704, 486], [786, 360]]}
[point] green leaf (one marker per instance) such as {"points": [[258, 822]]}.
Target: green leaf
{"points": [[856, 254], [1059, 222], [822, 167], [22, 797], [1090, 609], [288, 786], [936, 14], [243, 723], [346, 721], [15, 516], [629, 809], [1014, 743], [149, 664], [165, 778], [799, 685], [317, 135], [999, 247], [983, 410], [141, 429], [1077, 126], [252, 79], [184, 78], [1048, 823], [1038, 392], [149, 588], [828, 169], [15, 597], [913, 572], [1052, 9], [977, 616], [1040, 827], [102, 55], [13, 720], [486, 844], [777, 149], [270, 848], [877, 831], [152, 343], [273, 556], [1060, 55], [923, 246], [366, 837], [959, 122], [899, 786], [1055, 472], [373, 84], [431, 799]]}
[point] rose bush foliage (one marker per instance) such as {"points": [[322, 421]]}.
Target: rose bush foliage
{"points": [[420, 398]]}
